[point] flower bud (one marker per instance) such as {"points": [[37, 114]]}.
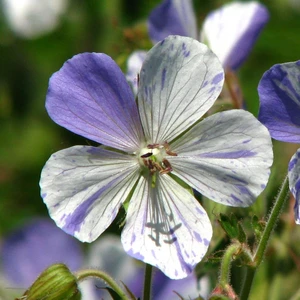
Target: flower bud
{"points": [[55, 283]]}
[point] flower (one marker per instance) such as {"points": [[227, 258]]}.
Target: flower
{"points": [[30, 249], [150, 148], [33, 18], [279, 94], [134, 64], [229, 31], [26, 252]]}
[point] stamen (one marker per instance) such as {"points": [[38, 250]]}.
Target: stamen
{"points": [[167, 167], [154, 159], [167, 149], [153, 146]]}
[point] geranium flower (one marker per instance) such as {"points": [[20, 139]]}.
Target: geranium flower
{"points": [[151, 147], [279, 93], [229, 31]]}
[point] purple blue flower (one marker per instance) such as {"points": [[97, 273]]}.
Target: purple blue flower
{"points": [[279, 93], [229, 31], [27, 251], [148, 149]]}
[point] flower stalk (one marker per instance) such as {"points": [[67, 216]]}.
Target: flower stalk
{"points": [[147, 282], [262, 245], [84, 274]]}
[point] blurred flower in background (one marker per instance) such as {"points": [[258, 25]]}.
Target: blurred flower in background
{"points": [[33, 18], [279, 94], [229, 31], [27, 251], [134, 65]]}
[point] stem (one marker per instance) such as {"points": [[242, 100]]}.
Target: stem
{"points": [[83, 274], [262, 245], [230, 252], [232, 84], [147, 282], [275, 212]]}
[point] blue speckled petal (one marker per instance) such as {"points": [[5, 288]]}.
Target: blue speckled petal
{"points": [[232, 30], [179, 81], [226, 157], [294, 182], [279, 94], [166, 227], [90, 96], [84, 187], [172, 17]]}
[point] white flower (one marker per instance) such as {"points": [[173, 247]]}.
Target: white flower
{"points": [[150, 148]]}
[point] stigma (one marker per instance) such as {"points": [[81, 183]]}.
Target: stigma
{"points": [[153, 157]]}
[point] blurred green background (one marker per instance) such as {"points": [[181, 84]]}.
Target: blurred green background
{"points": [[116, 27]]}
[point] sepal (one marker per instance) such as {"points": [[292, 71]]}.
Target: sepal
{"points": [[55, 283], [232, 227]]}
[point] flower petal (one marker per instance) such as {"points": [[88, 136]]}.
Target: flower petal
{"points": [[172, 17], [84, 187], [30, 249], [180, 80], [294, 182], [279, 93], [166, 227], [232, 30], [90, 96], [226, 157], [134, 65]]}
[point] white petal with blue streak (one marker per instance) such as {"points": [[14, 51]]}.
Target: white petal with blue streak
{"points": [[166, 227], [180, 80], [226, 157], [84, 187]]}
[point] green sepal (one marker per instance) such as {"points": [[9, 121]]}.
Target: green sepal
{"points": [[242, 235], [54, 283], [112, 293], [258, 227], [219, 297], [216, 257], [229, 225], [232, 227]]}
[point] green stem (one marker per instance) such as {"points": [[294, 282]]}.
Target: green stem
{"points": [[262, 245], [228, 257], [147, 282], [276, 210], [83, 274]]}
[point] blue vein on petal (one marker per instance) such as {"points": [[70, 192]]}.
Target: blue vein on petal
{"points": [[225, 155], [163, 78], [74, 220]]}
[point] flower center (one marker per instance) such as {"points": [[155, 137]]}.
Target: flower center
{"points": [[153, 158]]}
